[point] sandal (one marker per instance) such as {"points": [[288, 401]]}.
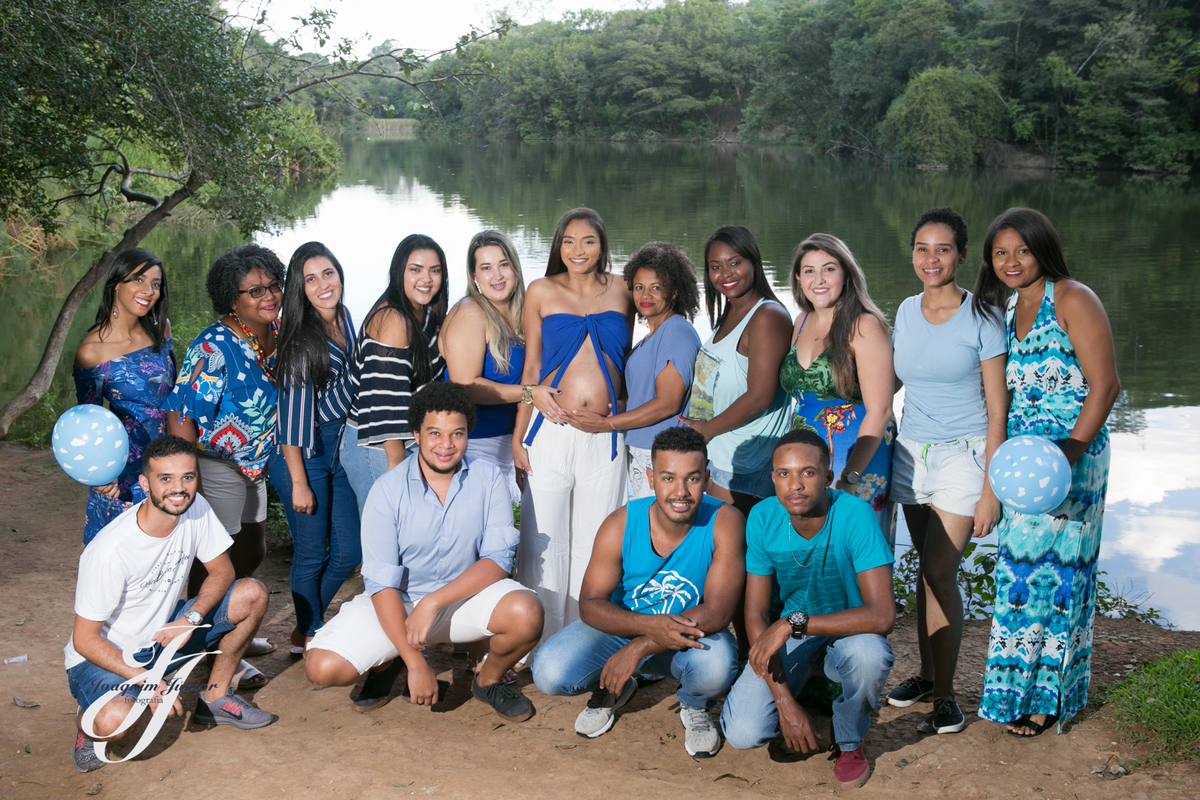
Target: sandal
{"points": [[1026, 722], [247, 678], [258, 647]]}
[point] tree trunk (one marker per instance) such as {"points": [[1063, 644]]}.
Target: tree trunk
{"points": [[39, 384]]}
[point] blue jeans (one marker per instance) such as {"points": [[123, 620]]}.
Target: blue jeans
{"points": [[363, 465], [570, 662], [326, 544], [88, 682], [860, 663]]}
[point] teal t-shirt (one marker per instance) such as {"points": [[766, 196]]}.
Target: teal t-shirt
{"points": [[818, 575]]}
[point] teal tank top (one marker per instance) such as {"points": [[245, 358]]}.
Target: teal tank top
{"points": [[653, 584]]}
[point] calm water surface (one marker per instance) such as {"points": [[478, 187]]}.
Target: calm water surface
{"points": [[1136, 241]]}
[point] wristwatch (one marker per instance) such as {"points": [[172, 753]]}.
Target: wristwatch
{"points": [[527, 395], [799, 622], [851, 477], [194, 618]]}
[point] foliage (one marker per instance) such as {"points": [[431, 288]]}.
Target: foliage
{"points": [[1160, 705], [943, 117]]}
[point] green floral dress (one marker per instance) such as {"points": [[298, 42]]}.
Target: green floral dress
{"points": [[818, 408]]}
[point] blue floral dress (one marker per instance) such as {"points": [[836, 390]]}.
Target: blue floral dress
{"points": [[1040, 648], [222, 387], [135, 386]]}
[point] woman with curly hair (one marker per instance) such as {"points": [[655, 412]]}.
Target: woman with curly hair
{"points": [[839, 369], [316, 337], [127, 359], [658, 372], [225, 401]]}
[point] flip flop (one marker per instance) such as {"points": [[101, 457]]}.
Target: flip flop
{"points": [[248, 678], [1026, 722], [258, 647], [296, 651]]}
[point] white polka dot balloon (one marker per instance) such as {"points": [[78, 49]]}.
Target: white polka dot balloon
{"points": [[90, 444], [1030, 474]]}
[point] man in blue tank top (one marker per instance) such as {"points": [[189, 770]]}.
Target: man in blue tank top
{"points": [[664, 579], [824, 551]]}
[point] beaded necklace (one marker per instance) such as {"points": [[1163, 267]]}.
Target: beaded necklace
{"points": [[256, 346]]}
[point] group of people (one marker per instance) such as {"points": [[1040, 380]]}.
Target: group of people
{"points": [[667, 491]]}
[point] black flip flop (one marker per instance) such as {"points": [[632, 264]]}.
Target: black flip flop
{"points": [[1026, 722]]}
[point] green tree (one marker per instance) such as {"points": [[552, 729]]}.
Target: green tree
{"points": [[943, 117], [130, 109]]}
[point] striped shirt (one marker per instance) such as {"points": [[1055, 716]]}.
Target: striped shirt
{"points": [[381, 377], [302, 409]]}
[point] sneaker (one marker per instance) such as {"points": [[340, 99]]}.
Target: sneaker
{"points": [[849, 767], [701, 738], [910, 691], [231, 710], [377, 688], [85, 757], [947, 717], [504, 700], [597, 718]]}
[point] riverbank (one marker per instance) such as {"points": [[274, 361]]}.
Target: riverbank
{"points": [[460, 750]]}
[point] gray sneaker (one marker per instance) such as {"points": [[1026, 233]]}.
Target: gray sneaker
{"points": [[597, 718], [85, 757], [701, 738], [232, 710]]}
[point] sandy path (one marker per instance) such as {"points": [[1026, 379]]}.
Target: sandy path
{"points": [[322, 748]]}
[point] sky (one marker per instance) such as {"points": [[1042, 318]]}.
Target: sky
{"points": [[420, 24]]}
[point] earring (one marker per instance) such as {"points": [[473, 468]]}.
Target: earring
{"points": [[114, 313], [477, 287]]}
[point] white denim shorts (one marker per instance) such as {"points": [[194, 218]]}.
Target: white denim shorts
{"points": [[234, 497], [945, 475]]}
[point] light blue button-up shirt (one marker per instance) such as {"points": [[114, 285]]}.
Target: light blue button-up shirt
{"points": [[416, 545]]}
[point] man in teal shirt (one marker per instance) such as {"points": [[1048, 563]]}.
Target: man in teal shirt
{"points": [[832, 565]]}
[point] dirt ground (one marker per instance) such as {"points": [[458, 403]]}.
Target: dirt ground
{"points": [[320, 747]]}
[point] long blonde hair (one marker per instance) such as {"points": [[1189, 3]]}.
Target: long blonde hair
{"points": [[852, 304], [500, 331]]}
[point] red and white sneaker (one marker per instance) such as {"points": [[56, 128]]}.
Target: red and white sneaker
{"points": [[849, 767]]}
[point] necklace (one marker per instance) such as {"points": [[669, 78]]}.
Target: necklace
{"points": [[813, 555], [259, 355]]}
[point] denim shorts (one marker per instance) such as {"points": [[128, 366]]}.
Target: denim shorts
{"points": [[88, 682], [945, 475], [756, 484]]}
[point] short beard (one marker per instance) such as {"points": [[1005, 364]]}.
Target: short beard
{"points": [[158, 503], [437, 469]]}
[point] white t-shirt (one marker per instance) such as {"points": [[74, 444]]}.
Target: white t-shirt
{"points": [[131, 581]]}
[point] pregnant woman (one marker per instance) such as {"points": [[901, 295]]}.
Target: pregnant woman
{"points": [[126, 359], [1062, 372], [578, 324]]}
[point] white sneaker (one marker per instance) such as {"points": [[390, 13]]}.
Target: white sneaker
{"points": [[701, 739], [601, 711]]}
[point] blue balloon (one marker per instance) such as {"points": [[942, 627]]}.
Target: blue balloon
{"points": [[90, 444], [1030, 474]]}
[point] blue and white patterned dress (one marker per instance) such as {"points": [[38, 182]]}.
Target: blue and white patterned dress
{"points": [[135, 386], [1039, 652]]}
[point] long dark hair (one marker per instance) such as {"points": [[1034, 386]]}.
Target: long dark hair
{"points": [[556, 265], [743, 243], [303, 350], [853, 302], [1039, 235], [394, 297], [125, 267]]}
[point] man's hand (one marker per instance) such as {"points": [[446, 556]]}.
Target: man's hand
{"points": [[422, 685], [167, 633], [767, 646], [796, 726], [419, 621], [673, 632], [620, 667], [176, 706]]}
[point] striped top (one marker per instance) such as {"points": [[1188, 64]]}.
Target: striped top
{"points": [[302, 409], [381, 380]]}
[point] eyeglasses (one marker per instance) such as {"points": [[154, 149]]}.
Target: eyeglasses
{"points": [[258, 291]]}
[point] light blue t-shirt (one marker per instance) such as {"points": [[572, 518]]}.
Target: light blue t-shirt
{"points": [[817, 575], [940, 367], [675, 342]]}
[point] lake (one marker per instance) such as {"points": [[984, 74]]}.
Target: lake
{"points": [[1134, 239]]}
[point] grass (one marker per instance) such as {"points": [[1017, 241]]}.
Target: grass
{"points": [[1160, 705]]}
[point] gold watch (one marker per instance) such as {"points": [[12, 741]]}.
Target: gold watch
{"points": [[527, 395]]}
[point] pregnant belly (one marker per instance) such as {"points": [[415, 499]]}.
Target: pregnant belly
{"points": [[582, 385]]}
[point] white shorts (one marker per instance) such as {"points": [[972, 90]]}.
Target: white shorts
{"points": [[945, 475], [234, 497], [356, 635]]}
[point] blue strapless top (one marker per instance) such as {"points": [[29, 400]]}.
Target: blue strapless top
{"points": [[563, 335], [501, 418]]}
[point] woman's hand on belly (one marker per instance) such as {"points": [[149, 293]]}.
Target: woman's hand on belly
{"points": [[590, 421]]}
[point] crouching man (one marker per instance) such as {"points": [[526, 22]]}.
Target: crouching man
{"points": [[664, 579], [127, 601], [438, 542], [824, 550]]}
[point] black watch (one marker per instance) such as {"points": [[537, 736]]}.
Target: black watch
{"points": [[799, 622]]}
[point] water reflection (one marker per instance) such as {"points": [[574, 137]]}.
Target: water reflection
{"points": [[1134, 241]]}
